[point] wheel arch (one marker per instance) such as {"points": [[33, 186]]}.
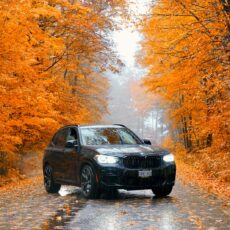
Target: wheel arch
{"points": [[87, 162], [45, 163]]}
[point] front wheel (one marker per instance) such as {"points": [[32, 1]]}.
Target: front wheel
{"points": [[89, 185], [162, 191], [49, 184]]}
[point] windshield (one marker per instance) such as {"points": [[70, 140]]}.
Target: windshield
{"points": [[108, 136]]}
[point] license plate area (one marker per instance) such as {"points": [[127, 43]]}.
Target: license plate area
{"points": [[144, 173]]}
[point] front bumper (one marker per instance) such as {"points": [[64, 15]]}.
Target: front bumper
{"points": [[124, 178]]}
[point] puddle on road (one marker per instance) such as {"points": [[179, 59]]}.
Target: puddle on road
{"points": [[108, 209], [64, 215], [135, 210], [67, 190]]}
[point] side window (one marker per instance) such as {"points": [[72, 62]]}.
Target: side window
{"points": [[72, 135], [60, 138], [126, 137]]}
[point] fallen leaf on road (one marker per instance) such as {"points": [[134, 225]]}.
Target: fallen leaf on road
{"points": [[58, 218], [131, 223], [123, 212]]}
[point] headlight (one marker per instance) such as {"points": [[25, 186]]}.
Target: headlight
{"points": [[103, 159], [168, 158]]}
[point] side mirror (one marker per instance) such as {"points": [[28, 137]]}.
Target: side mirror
{"points": [[71, 144], [147, 142]]}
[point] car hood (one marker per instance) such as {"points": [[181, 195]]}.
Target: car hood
{"points": [[127, 150]]}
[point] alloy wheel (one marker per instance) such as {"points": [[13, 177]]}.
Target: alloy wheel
{"points": [[48, 176], [86, 180]]}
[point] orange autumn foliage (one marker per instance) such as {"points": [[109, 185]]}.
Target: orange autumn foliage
{"points": [[52, 58], [187, 52]]}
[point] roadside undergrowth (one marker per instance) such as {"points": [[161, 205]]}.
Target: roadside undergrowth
{"points": [[195, 171], [28, 166]]}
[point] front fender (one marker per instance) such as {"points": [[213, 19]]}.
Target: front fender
{"points": [[86, 161]]}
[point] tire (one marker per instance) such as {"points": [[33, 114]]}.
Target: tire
{"points": [[162, 191], [89, 187], [49, 184]]}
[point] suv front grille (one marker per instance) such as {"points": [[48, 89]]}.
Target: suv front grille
{"points": [[142, 162]]}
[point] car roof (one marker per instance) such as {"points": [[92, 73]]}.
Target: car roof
{"points": [[95, 126], [100, 126]]}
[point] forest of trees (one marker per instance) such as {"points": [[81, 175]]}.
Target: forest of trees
{"points": [[52, 57], [186, 47]]}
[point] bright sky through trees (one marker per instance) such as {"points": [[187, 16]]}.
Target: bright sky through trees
{"points": [[128, 38]]}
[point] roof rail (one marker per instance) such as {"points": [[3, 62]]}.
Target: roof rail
{"points": [[65, 126], [120, 125]]}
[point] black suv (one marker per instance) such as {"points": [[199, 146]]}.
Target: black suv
{"points": [[100, 157]]}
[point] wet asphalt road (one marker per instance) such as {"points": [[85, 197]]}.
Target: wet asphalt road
{"points": [[188, 207]]}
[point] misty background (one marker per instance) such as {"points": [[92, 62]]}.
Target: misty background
{"points": [[128, 101]]}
